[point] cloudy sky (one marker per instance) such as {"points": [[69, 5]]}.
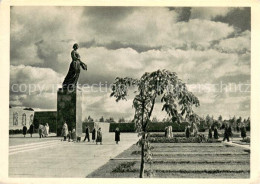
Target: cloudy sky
{"points": [[207, 48]]}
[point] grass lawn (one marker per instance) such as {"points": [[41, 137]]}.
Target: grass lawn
{"points": [[181, 160]]}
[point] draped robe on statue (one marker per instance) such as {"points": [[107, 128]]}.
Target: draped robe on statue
{"points": [[72, 77]]}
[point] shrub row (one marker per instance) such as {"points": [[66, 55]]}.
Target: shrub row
{"points": [[152, 127], [181, 140], [20, 131]]}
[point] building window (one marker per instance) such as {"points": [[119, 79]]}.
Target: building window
{"points": [[15, 118], [24, 119], [31, 119]]}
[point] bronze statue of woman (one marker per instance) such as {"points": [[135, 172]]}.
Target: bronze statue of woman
{"points": [[72, 77]]}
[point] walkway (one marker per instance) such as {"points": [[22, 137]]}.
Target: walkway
{"points": [[55, 158]]}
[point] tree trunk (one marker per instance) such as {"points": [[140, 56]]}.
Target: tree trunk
{"points": [[143, 140], [142, 159]]}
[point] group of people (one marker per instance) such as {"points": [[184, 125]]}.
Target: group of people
{"points": [[98, 138], [215, 131], [44, 130], [31, 130], [96, 134]]}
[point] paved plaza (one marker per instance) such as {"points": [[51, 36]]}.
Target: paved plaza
{"points": [[51, 157]]}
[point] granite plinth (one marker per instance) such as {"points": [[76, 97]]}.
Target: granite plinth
{"points": [[69, 109]]}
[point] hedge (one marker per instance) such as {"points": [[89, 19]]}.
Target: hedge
{"points": [[182, 140], [123, 127], [152, 127], [20, 131]]}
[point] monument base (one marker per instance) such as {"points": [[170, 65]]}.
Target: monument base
{"points": [[69, 109]]}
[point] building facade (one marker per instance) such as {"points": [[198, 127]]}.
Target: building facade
{"points": [[19, 117]]}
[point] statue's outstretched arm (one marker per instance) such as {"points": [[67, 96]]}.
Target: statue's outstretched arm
{"points": [[83, 65]]}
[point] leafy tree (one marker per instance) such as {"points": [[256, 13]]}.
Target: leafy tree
{"points": [[110, 120], [101, 119], [176, 101], [155, 120], [121, 120]]}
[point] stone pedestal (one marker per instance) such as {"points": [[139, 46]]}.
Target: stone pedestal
{"points": [[69, 109]]}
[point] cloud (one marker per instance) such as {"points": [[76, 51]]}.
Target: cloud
{"points": [[239, 44], [237, 17], [208, 13], [201, 45]]}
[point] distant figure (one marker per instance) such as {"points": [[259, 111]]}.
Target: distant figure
{"points": [[187, 131], [216, 136], [72, 76], [170, 132], [117, 135], [73, 135], [226, 134], [99, 136], [210, 133], [87, 134], [44, 131], [31, 129], [93, 134], [40, 130], [65, 131], [24, 130], [69, 136], [47, 128], [230, 131], [195, 130], [243, 132], [165, 131]]}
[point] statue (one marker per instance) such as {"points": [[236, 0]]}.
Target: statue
{"points": [[72, 77]]}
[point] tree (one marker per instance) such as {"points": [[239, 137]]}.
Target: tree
{"points": [[110, 120], [176, 101], [101, 119], [121, 120], [155, 120]]}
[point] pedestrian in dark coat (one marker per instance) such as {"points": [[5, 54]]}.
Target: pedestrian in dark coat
{"points": [[216, 136], [243, 132], [165, 131], [187, 131], [87, 134], [117, 135], [99, 136], [24, 130], [93, 134], [226, 134], [230, 131], [31, 129], [210, 133]]}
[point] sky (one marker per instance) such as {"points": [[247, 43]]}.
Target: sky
{"points": [[209, 49]]}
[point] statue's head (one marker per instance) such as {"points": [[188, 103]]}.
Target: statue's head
{"points": [[75, 46]]}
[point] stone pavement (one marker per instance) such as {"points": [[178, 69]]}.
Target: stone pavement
{"points": [[54, 158]]}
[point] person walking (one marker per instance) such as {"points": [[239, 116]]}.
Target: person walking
{"points": [[47, 128], [65, 131], [87, 134], [99, 136], [117, 135], [226, 134], [230, 131], [216, 136], [24, 130], [93, 134], [40, 130], [243, 131], [165, 131], [187, 131], [210, 133], [31, 128]]}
